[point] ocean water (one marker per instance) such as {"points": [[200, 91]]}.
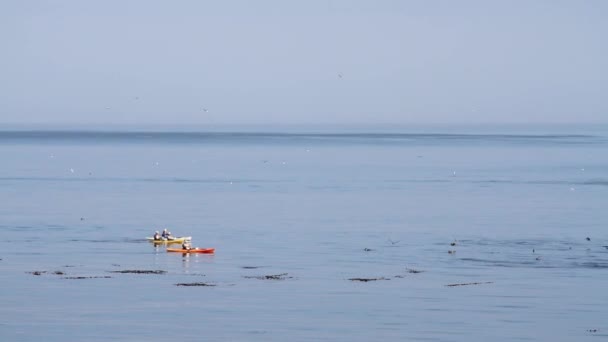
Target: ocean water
{"points": [[526, 210]]}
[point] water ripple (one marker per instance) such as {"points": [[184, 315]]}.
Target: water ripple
{"points": [[96, 137]]}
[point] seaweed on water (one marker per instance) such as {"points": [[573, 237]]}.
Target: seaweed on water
{"points": [[367, 249], [411, 270], [195, 284], [90, 277], [250, 267], [466, 284], [141, 271], [37, 273], [277, 276], [365, 280], [281, 276]]}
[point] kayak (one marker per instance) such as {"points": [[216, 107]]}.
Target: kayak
{"points": [[180, 239], [193, 250]]}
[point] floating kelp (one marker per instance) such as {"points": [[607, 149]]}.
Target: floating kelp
{"points": [[365, 280], [141, 271], [408, 270], [250, 267], [281, 276], [466, 284], [37, 273], [194, 284], [88, 277], [411, 270], [367, 249]]}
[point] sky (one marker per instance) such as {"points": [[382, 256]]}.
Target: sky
{"points": [[265, 62]]}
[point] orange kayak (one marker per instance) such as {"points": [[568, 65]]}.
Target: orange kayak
{"points": [[193, 250]]}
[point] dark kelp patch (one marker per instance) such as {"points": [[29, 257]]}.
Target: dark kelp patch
{"points": [[37, 273], [89, 277], [250, 267], [408, 270], [411, 270], [365, 280], [467, 284], [141, 271], [281, 276], [195, 284]]}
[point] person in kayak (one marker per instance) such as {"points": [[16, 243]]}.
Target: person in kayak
{"points": [[166, 235], [186, 245], [157, 236]]}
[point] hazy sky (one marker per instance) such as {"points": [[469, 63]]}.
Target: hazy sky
{"points": [[284, 62]]}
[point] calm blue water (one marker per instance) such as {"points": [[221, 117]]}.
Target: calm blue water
{"points": [[519, 204]]}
